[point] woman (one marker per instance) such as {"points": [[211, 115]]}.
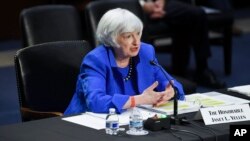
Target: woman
{"points": [[118, 73]]}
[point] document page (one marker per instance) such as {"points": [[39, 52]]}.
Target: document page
{"points": [[245, 89], [87, 120], [97, 121], [207, 101], [232, 99], [228, 98], [183, 107], [195, 101]]}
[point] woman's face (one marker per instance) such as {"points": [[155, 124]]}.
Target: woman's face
{"points": [[129, 44]]}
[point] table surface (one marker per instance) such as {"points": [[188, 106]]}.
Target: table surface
{"points": [[58, 129]]}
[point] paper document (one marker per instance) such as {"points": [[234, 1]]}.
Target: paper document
{"points": [[124, 117], [193, 103], [245, 89], [232, 99], [207, 101], [87, 120], [228, 98], [97, 121], [183, 107]]}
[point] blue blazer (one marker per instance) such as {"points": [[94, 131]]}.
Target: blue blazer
{"points": [[100, 84]]}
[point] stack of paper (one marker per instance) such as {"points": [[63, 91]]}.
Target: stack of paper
{"points": [[195, 101], [207, 101], [245, 89], [183, 107], [97, 121]]}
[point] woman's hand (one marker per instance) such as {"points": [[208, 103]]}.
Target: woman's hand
{"points": [[166, 95], [149, 96]]}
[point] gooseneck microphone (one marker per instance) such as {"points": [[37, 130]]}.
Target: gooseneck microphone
{"points": [[175, 119]]}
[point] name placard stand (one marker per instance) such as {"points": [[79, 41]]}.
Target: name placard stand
{"points": [[225, 114]]}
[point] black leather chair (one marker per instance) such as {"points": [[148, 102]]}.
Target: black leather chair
{"points": [[46, 77], [49, 23], [94, 11]]}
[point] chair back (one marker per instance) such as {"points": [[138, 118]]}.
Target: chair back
{"points": [[48, 23], [47, 74], [95, 10]]}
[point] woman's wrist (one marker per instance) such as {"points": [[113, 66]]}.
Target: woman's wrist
{"points": [[132, 102], [139, 100]]}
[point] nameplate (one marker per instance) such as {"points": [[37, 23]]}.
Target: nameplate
{"points": [[225, 114]]}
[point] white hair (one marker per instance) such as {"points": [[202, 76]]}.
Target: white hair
{"points": [[115, 22]]}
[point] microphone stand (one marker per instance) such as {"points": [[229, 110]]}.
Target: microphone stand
{"points": [[174, 119]]}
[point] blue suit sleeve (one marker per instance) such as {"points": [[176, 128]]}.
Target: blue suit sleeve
{"points": [[93, 80]]}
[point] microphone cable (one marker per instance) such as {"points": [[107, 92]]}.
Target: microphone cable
{"points": [[176, 136], [200, 126], [186, 131], [206, 128]]}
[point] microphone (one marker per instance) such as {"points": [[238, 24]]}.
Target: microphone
{"points": [[175, 119]]}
